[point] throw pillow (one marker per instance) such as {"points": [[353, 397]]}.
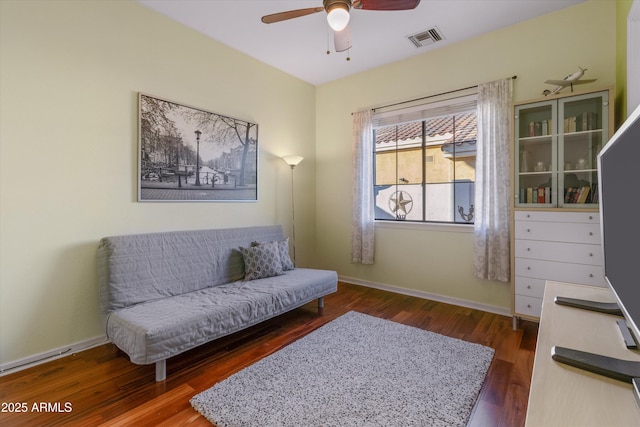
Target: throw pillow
{"points": [[283, 249], [261, 261]]}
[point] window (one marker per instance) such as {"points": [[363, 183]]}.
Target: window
{"points": [[425, 161]]}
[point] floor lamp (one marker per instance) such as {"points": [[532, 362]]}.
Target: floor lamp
{"points": [[293, 161]]}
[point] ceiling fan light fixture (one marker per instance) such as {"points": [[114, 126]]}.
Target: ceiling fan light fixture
{"points": [[338, 19], [337, 13]]}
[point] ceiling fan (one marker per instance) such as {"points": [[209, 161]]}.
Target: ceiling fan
{"points": [[338, 15]]}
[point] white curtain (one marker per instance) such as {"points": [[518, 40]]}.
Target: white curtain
{"points": [[362, 234], [493, 181]]}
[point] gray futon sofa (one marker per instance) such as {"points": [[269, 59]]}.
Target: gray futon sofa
{"points": [[165, 293]]}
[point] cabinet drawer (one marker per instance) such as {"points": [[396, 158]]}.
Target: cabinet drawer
{"points": [[528, 306], [576, 253], [558, 232], [560, 271], [529, 286], [583, 217]]}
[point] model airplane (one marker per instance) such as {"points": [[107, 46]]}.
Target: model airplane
{"points": [[570, 80]]}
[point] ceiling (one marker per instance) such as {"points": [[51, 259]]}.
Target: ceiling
{"points": [[298, 46]]}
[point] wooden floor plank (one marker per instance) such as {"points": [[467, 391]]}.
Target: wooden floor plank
{"points": [[104, 388], [165, 406]]}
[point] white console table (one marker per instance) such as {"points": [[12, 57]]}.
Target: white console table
{"points": [[565, 396]]}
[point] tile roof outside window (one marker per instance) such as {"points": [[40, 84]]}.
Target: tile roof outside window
{"points": [[466, 130]]}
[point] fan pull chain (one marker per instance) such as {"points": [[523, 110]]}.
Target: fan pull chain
{"points": [[328, 41], [349, 54]]}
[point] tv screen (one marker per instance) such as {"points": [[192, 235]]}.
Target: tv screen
{"points": [[619, 192]]}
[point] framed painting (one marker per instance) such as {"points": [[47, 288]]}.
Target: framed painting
{"points": [[187, 154]]}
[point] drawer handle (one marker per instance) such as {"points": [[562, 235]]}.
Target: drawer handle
{"points": [[590, 254], [528, 230], [591, 233], [528, 268], [528, 286], [590, 217], [528, 249], [528, 305], [590, 274], [528, 216]]}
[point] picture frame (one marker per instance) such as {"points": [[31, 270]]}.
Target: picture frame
{"points": [[176, 140]]}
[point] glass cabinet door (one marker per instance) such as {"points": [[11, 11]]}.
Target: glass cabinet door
{"points": [[535, 155], [581, 134]]}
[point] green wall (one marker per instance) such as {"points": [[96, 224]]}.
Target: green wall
{"points": [[70, 72], [432, 260], [622, 11]]}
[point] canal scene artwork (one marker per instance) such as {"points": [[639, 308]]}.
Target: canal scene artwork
{"points": [[189, 154]]}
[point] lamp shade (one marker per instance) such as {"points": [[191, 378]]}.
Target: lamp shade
{"points": [[338, 17], [292, 160]]}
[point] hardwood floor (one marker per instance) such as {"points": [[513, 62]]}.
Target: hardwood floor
{"points": [[101, 387]]}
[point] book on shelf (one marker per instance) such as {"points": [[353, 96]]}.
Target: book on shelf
{"points": [[587, 121], [584, 193], [536, 195], [582, 122], [540, 128], [573, 196], [567, 194], [570, 124], [578, 195], [595, 196]]}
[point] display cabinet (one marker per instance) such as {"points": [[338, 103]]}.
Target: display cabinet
{"points": [[556, 146], [556, 223]]}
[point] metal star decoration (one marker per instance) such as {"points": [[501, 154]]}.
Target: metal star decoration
{"points": [[400, 203]]}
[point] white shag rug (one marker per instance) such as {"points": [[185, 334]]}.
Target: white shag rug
{"points": [[356, 370]]}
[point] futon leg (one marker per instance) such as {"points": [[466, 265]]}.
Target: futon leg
{"points": [[161, 370], [320, 303]]}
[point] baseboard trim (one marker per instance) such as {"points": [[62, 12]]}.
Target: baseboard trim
{"points": [[503, 311], [48, 356]]}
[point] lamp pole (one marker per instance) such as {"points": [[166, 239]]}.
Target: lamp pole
{"points": [[293, 217], [293, 161], [198, 133]]}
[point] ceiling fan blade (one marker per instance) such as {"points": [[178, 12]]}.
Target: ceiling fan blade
{"points": [[290, 14], [385, 4], [342, 40]]}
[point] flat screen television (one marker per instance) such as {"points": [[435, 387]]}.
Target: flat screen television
{"points": [[619, 193], [619, 188]]}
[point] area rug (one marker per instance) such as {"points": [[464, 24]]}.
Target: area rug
{"points": [[356, 370]]}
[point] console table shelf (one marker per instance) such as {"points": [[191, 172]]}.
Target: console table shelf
{"points": [[565, 396]]}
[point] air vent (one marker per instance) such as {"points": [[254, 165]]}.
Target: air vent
{"points": [[425, 38]]}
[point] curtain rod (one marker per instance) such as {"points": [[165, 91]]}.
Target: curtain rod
{"points": [[430, 96]]}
